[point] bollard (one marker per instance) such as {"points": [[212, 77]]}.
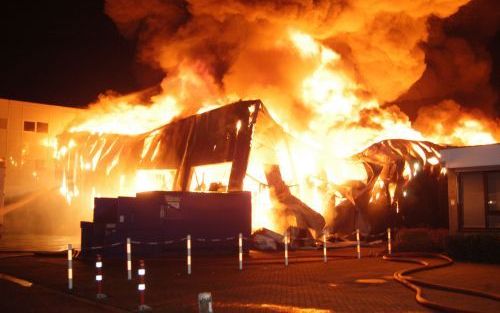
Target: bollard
{"points": [[358, 244], [286, 249], [389, 244], [98, 277], [129, 260], [325, 257], [205, 302], [240, 251], [70, 266], [142, 287], [188, 254]]}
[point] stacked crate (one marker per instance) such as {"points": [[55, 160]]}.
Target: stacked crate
{"points": [[159, 216]]}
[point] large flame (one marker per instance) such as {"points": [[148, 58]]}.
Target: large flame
{"points": [[331, 114]]}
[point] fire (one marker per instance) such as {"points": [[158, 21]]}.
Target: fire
{"points": [[320, 161], [448, 123], [326, 91], [157, 179], [122, 116], [213, 177], [338, 110]]}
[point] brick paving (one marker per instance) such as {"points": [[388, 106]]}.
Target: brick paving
{"points": [[483, 277], [265, 285]]}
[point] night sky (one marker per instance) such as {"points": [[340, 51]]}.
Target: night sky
{"points": [[68, 52]]}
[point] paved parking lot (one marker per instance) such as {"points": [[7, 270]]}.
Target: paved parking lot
{"points": [[344, 284]]}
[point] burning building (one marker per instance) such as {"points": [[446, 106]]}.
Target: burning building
{"points": [[233, 148], [332, 147], [239, 147]]}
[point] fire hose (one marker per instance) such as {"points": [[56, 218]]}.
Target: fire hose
{"points": [[26, 199], [403, 277]]}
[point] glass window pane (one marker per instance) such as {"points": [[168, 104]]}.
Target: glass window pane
{"points": [[213, 177], [494, 192], [42, 127], [494, 221], [473, 200], [3, 123], [29, 126], [154, 179]]}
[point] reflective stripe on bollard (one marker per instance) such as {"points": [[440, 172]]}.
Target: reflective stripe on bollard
{"points": [[325, 258], [358, 244], [98, 277], [141, 287], [389, 244], [188, 243], [70, 266], [240, 251], [286, 249], [129, 259]]}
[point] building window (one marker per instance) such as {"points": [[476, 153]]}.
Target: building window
{"points": [[42, 127], [493, 199], [3, 123], [29, 126], [473, 215], [480, 200], [212, 177]]}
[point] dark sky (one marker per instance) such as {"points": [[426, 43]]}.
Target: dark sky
{"points": [[65, 52], [68, 52]]}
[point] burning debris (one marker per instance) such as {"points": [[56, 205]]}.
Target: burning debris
{"points": [[240, 147], [391, 166], [290, 208], [265, 239]]}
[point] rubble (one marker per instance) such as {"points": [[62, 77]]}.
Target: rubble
{"points": [[290, 206], [265, 239]]}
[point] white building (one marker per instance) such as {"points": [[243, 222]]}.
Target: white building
{"points": [[473, 188], [27, 134]]}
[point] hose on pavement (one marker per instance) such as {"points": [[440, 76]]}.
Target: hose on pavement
{"points": [[403, 277]]}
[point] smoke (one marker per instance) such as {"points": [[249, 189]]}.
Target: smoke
{"points": [[459, 62], [214, 51]]}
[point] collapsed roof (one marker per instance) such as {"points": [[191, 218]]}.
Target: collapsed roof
{"points": [[244, 137]]}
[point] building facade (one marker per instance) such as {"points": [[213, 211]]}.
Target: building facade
{"points": [[473, 188], [27, 136]]}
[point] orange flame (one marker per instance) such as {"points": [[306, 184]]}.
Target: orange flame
{"points": [[319, 160]]}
